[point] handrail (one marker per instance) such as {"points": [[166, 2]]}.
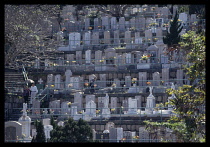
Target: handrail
{"points": [[25, 75], [41, 93]]}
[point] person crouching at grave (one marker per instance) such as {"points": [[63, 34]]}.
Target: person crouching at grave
{"points": [[26, 93], [34, 91]]}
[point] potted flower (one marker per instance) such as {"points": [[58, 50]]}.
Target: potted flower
{"points": [[134, 80]]}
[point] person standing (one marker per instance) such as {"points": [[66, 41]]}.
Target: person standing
{"points": [[34, 91], [26, 93]]}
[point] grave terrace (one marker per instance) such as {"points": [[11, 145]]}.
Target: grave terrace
{"points": [[126, 87]]}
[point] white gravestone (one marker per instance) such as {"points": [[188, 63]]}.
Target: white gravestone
{"points": [[165, 75], [156, 79], [74, 40], [150, 104], [122, 23], [58, 81], [142, 78], [116, 37], [26, 122], [132, 106], [89, 98], [78, 97], [50, 80], [87, 38], [95, 38], [128, 81], [107, 37], [90, 110], [47, 130], [105, 109], [113, 23], [88, 56], [68, 74]]}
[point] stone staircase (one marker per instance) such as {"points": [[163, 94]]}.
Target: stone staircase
{"points": [[14, 81]]}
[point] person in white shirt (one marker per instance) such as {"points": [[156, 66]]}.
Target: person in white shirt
{"points": [[34, 91]]}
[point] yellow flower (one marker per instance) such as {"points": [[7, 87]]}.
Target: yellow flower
{"points": [[69, 103], [113, 109], [52, 85], [73, 61]]}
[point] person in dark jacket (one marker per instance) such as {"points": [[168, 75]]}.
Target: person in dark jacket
{"points": [[26, 93]]}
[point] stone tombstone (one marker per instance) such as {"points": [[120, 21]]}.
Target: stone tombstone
{"points": [[142, 78], [128, 58], [74, 40], [159, 33], [102, 82], [46, 121], [89, 98], [87, 23], [70, 58], [127, 25], [77, 82], [117, 82], [59, 37], [68, 74], [50, 79], [88, 56], [138, 98], [13, 129], [87, 38], [105, 109], [116, 134], [105, 23], [37, 63], [150, 104], [55, 106], [148, 35], [79, 57], [113, 23], [128, 37], [165, 75], [90, 109], [125, 105], [35, 107], [40, 81], [179, 77], [142, 22], [47, 129], [95, 38], [193, 18], [98, 57], [65, 108], [113, 103], [96, 23], [122, 23], [132, 106], [153, 50], [100, 103], [78, 98], [143, 134], [156, 79], [110, 53], [128, 81], [183, 17], [107, 37], [165, 12], [58, 81], [109, 125], [26, 122], [116, 37], [132, 22], [137, 35], [164, 59], [149, 20]]}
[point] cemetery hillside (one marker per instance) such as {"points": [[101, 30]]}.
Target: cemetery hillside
{"points": [[105, 73]]}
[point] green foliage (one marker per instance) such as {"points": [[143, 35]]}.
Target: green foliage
{"points": [[72, 131], [175, 28], [187, 123], [40, 136]]}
